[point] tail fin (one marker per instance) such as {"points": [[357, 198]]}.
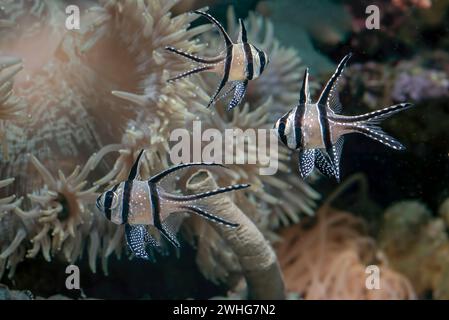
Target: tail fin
{"points": [[193, 57], [367, 124], [189, 73]]}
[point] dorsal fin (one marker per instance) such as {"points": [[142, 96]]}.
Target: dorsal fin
{"points": [[329, 90], [243, 38], [226, 37], [304, 95], [135, 168]]}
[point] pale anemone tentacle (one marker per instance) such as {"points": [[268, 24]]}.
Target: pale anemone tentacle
{"points": [[12, 231], [11, 107]]}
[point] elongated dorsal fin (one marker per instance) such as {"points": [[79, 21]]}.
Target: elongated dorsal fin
{"points": [[135, 168], [327, 91], [304, 95], [226, 37], [243, 38]]}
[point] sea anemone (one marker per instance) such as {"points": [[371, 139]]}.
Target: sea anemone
{"points": [[98, 96], [329, 259], [416, 244], [10, 106], [66, 91], [11, 251]]}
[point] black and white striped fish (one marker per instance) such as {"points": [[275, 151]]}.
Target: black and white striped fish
{"points": [[137, 204], [239, 63], [317, 129]]}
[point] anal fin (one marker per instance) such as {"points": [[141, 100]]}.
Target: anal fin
{"points": [[323, 164], [169, 234]]}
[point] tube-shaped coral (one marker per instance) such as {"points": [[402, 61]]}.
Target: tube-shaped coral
{"points": [[255, 255]]}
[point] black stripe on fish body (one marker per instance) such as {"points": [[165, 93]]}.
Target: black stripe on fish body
{"points": [[249, 61], [262, 60], [109, 197], [227, 70], [299, 114], [281, 128], [127, 191], [155, 205], [325, 130], [157, 221], [228, 63]]}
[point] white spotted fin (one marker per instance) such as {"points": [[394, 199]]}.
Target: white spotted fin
{"points": [[141, 243]]}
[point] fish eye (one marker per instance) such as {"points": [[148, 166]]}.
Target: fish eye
{"points": [[281, 126]]}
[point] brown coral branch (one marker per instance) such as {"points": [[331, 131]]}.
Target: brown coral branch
{"points": [[257, 259]]}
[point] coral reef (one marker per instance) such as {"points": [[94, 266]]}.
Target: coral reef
{"points": [[328, 260], [419, 83], [424, 77], [417, 245], [403, 4]]}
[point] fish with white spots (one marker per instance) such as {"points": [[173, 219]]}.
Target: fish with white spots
{"points": [[317, 129], [138, 204], [238, 64]]}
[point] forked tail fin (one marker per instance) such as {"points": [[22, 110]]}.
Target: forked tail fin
{"points": [[367, 124]]}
